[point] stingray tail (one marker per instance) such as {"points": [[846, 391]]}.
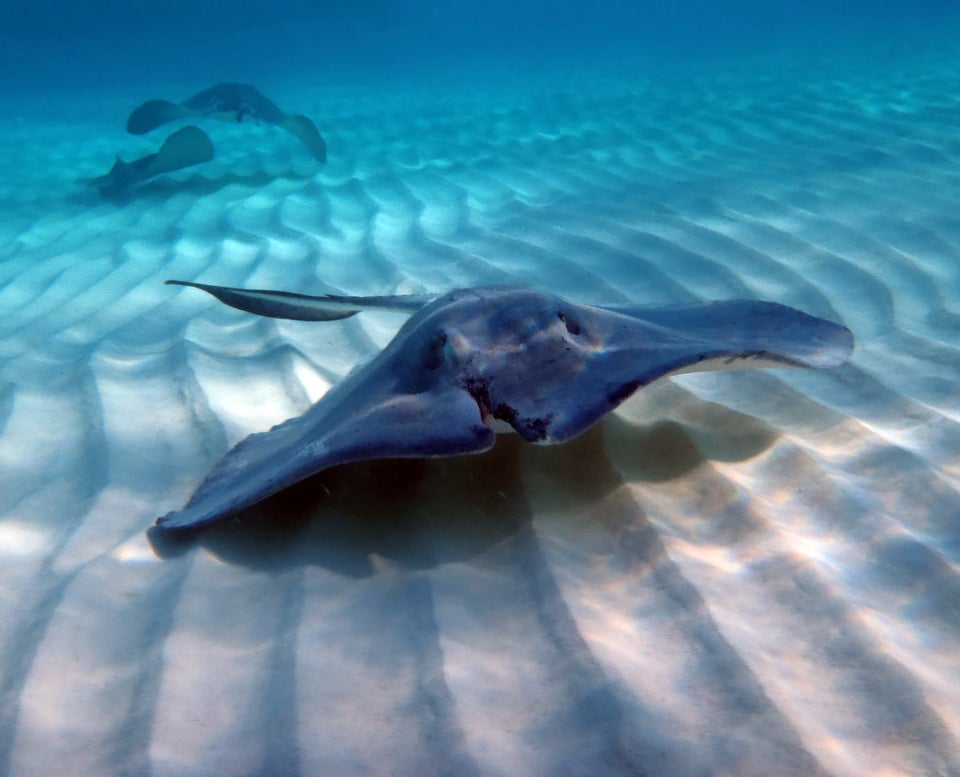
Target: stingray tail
{"points": [[307, 133], [154, 113], [301, 307]]}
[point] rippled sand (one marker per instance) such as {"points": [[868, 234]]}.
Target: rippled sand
{"points": [[735, 574]]}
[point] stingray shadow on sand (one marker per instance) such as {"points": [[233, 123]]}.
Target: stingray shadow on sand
{"points": [[198, 185], [422, 513]]}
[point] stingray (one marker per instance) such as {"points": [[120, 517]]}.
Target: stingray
{"points": [[228, 102], [186, 147], [474, 362]]}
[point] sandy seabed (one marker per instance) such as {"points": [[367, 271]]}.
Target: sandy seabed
{"points": [[735, 574]]}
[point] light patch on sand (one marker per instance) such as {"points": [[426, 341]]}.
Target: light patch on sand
{"points": [[20, 539]]}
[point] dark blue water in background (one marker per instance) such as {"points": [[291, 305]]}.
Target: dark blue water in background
{"points": [[55, 44]]}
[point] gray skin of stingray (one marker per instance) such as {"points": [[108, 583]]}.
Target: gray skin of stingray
{"points": [[229, 102], [477, 360], [238, 101]]}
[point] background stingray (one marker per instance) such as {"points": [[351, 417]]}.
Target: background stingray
{"points": [[476, 361], [186, 147], [228, 102]]}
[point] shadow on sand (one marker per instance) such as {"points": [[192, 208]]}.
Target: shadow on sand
{"points": [[198, 185], [421, 513]]}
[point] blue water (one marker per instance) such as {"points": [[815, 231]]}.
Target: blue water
{"points": [[51, 44], [733, 574]]}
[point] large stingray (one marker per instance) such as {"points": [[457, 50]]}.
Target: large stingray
{"points": [[229, 102], [186, 147], [476, 361]]}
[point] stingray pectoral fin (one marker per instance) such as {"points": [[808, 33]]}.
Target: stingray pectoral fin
{"points": [[186, 147], [154, 113], [435, 423], [303, 307], [307, 133], [743, 334], [627, 347]]}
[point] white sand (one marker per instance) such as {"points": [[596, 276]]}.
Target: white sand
{"points": [[735, 574]]}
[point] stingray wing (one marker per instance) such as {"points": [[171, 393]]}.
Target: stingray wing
{"points": [[154, 113], [745, 334], [606, 354], [307, 133], [366, 417], [186, 147]]}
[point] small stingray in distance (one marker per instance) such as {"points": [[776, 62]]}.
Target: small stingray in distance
{"points": [[473, 362], [228, 102], [186, 147]]}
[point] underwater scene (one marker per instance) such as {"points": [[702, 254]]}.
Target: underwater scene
{"points": [[518, 388]]}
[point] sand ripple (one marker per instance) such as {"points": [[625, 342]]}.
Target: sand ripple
{"points": [[735, 574]]}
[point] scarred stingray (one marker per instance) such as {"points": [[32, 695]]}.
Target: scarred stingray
{"points": [[474, 362]]}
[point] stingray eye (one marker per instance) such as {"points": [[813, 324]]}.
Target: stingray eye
{"points": [[434, 356], [570, 323]]}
